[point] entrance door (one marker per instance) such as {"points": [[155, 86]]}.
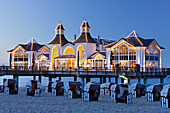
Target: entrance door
{"points": [[64, 64], [99, 63]]}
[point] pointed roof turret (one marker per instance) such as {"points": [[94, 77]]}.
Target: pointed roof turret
{"points": [[32, 41], [85, 36], [134, 38], [85, 24], [59, 38], [60, 27], [133, 34]]}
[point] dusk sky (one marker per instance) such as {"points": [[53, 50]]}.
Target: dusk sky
{"points": [[21, 20]]}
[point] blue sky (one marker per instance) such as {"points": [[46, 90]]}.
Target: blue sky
{"points": [[111, 19]]}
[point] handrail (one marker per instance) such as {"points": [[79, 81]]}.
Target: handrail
{"points": [[85, 69]]}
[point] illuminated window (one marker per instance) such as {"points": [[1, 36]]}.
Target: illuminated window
{"points": [[81, 55], [98, 57], [152, 56], [69, 51], [124, 54], [20, 57], [43, 59], [54, 54]]}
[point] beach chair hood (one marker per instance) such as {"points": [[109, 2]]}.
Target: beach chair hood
{"points": [[165, 90]]}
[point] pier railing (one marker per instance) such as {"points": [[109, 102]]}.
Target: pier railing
{"points": [[120, 69]]}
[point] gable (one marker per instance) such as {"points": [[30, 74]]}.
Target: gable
{"points": [[154, 46], [97, 55], [122, 42], [18, 48], [44, 49]]}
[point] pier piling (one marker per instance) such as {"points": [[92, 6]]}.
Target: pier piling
{"points": [[50, 79], [116, 80], [101, 81], [146, 84], [104, 79], [87, 79], [162, 81], [82, 84]]}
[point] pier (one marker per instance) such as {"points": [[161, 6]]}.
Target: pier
{"points": [[88, 73]]}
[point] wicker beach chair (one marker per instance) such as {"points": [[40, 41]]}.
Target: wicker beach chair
{"points": [[115, 90], [33, 88], [125, 94], [91, 92], [107, 88], [73, 90], [2, 86], [48, 87], [138, 90], [165, 96], [153, 92], [57, 88], [9, 87]]}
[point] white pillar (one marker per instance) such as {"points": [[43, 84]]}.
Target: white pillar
{"points": [[71, 63], [108, 51], [160, 59]]}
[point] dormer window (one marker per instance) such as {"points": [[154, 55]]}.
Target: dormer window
{"points": [[83, 30], [58, 32], [62, 32]]}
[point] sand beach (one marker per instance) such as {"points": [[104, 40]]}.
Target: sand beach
{"points": [[22, 103]]}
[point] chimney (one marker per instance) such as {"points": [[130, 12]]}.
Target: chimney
{"points": [[98, 38], [74, 36]]}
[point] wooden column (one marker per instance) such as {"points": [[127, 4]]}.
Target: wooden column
{"points": [[146, 84], [109, 79], [104, 79], [162, 80], [139, 80], [101, 81], [122, 80], [128, 80], [59, 78], [75, 78], [50, 79], [87, 79], [34, 77], [82, 84], [116, 80]]}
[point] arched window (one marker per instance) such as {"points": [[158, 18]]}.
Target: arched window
{"points": [[43, 59], [98, 57], [81, 55], [124, 54], [152, 56], [54, 54], [20, 58], [69, 51]]}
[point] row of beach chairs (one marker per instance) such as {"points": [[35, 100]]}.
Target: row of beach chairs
{"points": [[118, 92]]}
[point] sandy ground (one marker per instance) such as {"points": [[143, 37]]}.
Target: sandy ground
{"points": [[47, 103]]}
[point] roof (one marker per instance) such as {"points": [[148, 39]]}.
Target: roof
{"points": [[135, 40], [100, 52], [46, 55], [84, 38], [32, 45], [85, 24], [59, 39], [103, 41], [65, 56]]}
